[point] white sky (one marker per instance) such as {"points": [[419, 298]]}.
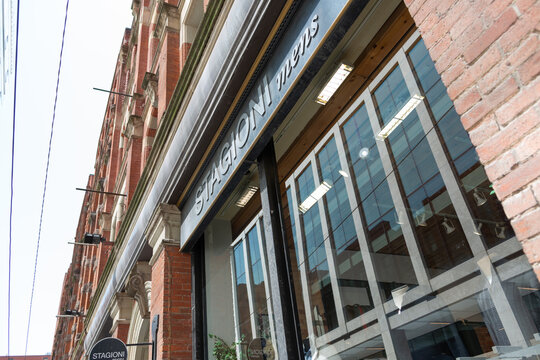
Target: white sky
{"points": [[93, 37]]}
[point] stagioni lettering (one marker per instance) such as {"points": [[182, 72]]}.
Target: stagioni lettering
{"points": [[109, 355], [229, 149]]}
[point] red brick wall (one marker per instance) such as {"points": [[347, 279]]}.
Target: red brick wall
{"points": [[171, 299], [487, 53]]}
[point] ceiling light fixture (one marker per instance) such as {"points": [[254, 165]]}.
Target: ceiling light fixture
{"points": [[399, 117], [527, 288], [343, 173], [334, 83], [246, 195], [312, 199], [439, 323]]}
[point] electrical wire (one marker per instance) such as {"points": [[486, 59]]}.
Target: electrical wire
{"points": [[46, 176], [11, 179]]}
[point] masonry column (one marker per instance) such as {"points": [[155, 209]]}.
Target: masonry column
{"points": [[121, 315], [171, 284], [279, 264]]}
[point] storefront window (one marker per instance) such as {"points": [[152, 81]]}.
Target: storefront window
{"points": [[252, 304], [401, 247], [238, 305], [319, 282], [491, 221], [352, 278], [442, 240], [242, 304], [383, 225]]}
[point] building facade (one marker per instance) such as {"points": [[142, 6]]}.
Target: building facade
{"points": [[343, 179], [27, 357]]}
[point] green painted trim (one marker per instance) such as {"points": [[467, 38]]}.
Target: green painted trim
{"points": [[163, 134]]}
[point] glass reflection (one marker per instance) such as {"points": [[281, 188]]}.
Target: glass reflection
{"points": [[258, 287], [352, 278], [320, 287], [393, 265], [242, 301], [491, 222], [442, 241]]}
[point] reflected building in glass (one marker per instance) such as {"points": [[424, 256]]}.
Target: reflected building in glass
{"points": [[330, 177]]}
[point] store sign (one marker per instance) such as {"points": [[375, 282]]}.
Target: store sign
{"points": [[306, 32], [109, 349]]}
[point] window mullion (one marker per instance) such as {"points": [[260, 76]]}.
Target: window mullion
{"points": [[249, 284], [236, 314], [302, 262], [417, 259], [367, 258], [444, 167], [264, 264], [330, 258]]}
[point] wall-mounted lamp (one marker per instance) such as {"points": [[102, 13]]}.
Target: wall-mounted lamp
{"points": [[479, 197], [500, 231], [448, 226], [421, 219], [478, 229], [397, 296], [90, 240], [334, 83], [70, 313], [399, 117]]}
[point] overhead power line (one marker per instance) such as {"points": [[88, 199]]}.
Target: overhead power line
{"points": [[46, 176], [11, 179]]}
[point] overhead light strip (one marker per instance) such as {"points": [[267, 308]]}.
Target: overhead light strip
{"points": [[246, 195], [334, 83], [315, 196], [399, 117]]}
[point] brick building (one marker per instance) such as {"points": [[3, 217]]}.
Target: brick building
{"points": [[348, 179], [26, 357]]}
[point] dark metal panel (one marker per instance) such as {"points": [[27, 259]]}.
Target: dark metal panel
{"points": [[198, 303], [289, 342]]}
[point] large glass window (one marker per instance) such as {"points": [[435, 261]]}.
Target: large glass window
{"points": [[442, 240], [490, 219], [252, 303], [318, 276], [352, 278], [384, 233], [401, 247], [242, 303]]}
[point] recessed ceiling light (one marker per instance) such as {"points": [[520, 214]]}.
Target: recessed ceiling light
{"points": [[246, 195], [334, 83]]}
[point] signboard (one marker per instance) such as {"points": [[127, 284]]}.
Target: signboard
{"points": [[108, 349], [306, 32], [260, 349]]}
